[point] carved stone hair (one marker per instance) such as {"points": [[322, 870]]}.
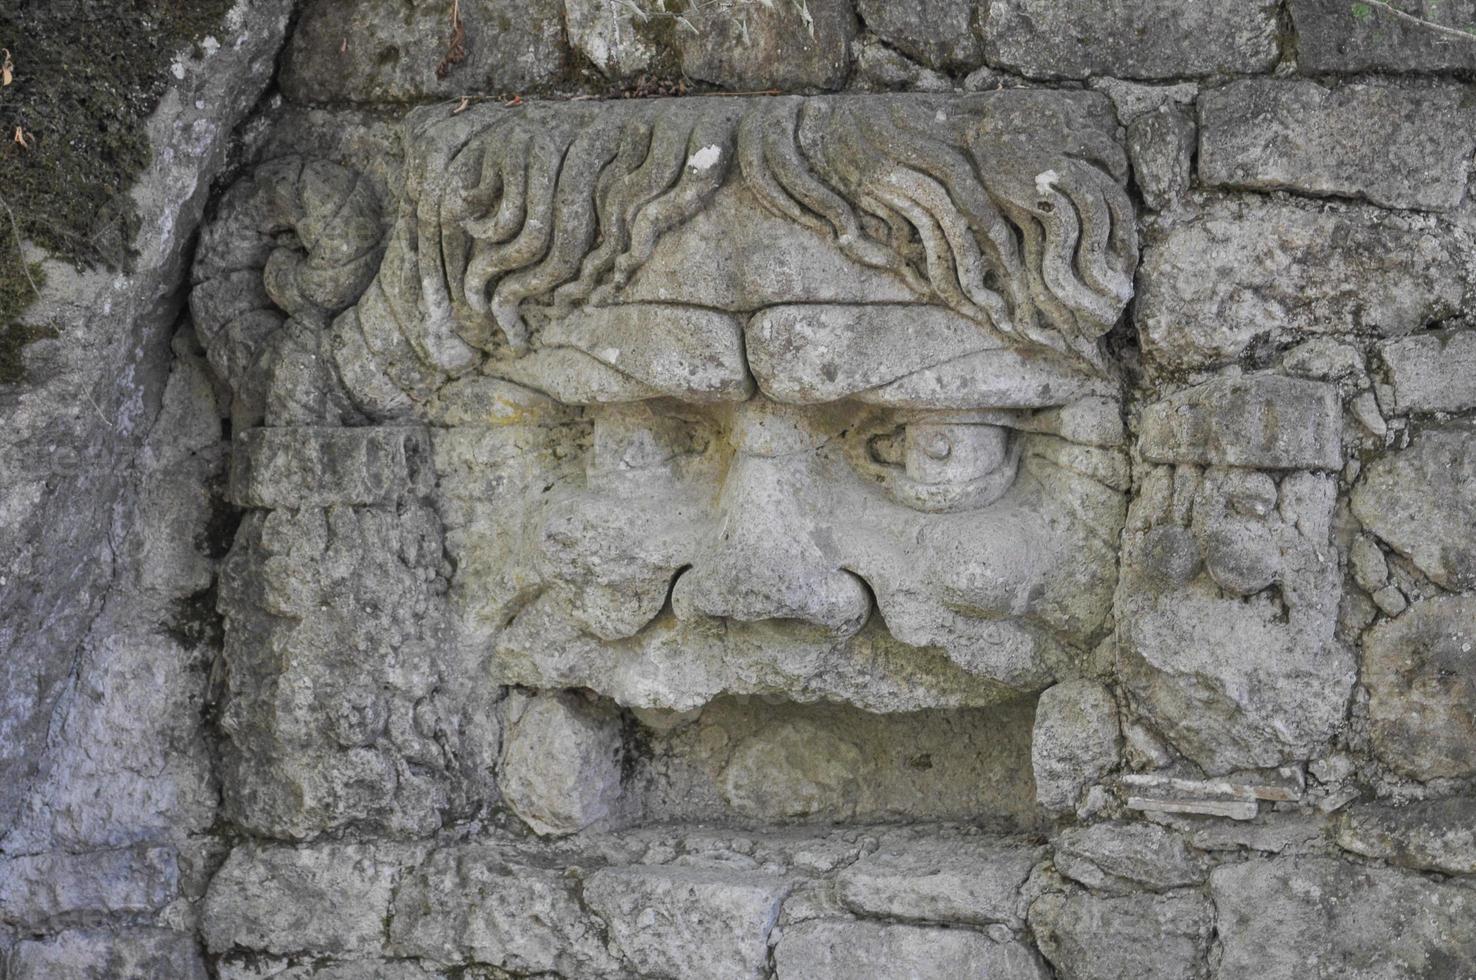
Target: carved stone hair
{"points": [[1005, 207]]}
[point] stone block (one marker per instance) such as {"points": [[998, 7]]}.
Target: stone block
{"points": [[1076, 739], [1355, 922], [1389, 144], [1130, 38], [1161, 146], [1421, 501], [781, 45], [939, 33], [560, 765], [1119, 857], [296, 467], [328, 899], [1262, 421], [946, 880], [1420, 671], [841, 949], [1238, 270], [44, 891], [677, 922], [127, 954], [1433, 371], [1145, 937], [1337, 36], [386, 51], [479, 904], [610, 35], [1427, 835]]}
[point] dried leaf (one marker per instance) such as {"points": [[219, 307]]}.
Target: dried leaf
{"points": [[462, 105], [7, 68], [25, 139], [343, 47], [456, 46]]}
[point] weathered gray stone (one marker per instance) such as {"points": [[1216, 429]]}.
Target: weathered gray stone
{"points": [[41, 892], [939, 33], [837, 949], [688, 922], [1348, 921], [1265, 421], [879, 68], [257, 967], [478, 904], [1161, 146], [1420, 671], [610, 35], [384, 51], [1428, 835], [1433, 371], [325, 899], [1421, 501], [971, 881], [560, 764], [1124, 857], [795, 769], [1130, 38], [1076, 740], [1400, 36], [1142, 937], [125, 954], [70, 432], [1235, 681], [1242, 269], [751, 46], [300, 467], [1392, 145]]}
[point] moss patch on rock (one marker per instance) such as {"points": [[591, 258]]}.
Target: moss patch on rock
{"points": [[87, 75]]}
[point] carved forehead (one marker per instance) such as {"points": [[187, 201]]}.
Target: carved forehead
{"points": [[1006, 210]]}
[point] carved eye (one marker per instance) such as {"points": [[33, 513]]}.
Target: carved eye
{"points": [[946, 466]]}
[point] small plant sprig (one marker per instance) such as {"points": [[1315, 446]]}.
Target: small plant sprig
{"points": [[1363, 10]]}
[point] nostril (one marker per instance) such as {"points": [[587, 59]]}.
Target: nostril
{"points": [[670, 604]]}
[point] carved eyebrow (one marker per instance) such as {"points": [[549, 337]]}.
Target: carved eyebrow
{"points": [[902, 355], [637, 351]]}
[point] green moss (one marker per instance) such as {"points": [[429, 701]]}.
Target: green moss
{"points": [[88, 73], [16, 293]]}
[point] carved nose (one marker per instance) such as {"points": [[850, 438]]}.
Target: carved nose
{"points": [[769, 558]]}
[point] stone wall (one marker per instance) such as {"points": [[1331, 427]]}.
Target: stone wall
{"points": [[795, 490]]}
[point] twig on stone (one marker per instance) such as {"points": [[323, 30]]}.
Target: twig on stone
{"points": [[1420, 21], [20, 254], [455, 45]]}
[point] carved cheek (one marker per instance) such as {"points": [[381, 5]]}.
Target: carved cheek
{"points": [[612, 560], [991, 566]]}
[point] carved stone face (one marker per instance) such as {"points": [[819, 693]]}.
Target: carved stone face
{"points": [[803, 397]]}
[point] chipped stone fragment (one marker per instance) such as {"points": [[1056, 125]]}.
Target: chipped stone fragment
{"points": [[1264, 421], [1076, 740], [560, 765], [1422, 502], [688, 922], [1146, 937], [1130, 38], [1428, 835], [1160, 145], [607, 34], [1120, 857], [1277, 916], [940, 880], [1388, 144], [1433, 371], [1420, 671], [1234, 797], [1244, 268], [843, 949]]}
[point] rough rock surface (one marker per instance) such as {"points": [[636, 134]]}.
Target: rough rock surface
{"points": [[1274, 917], [1300, 136], [987, 495]]}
